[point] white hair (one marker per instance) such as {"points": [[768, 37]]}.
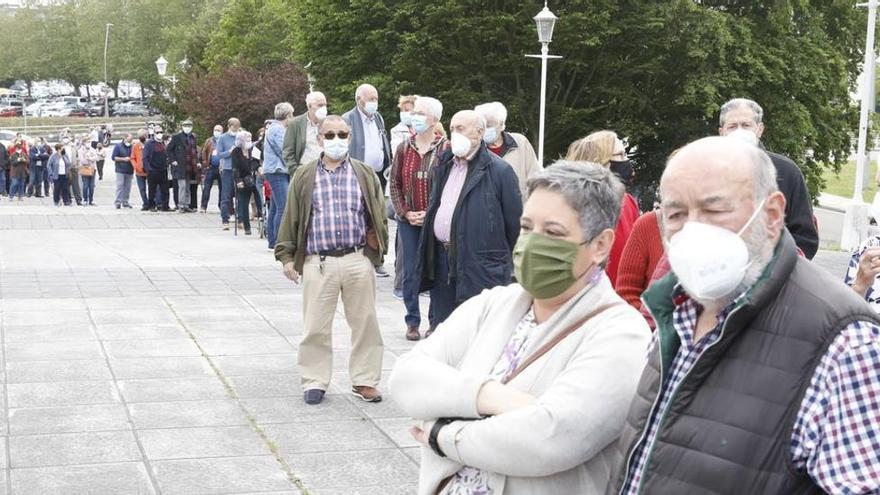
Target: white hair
{"points": [[283, 110], [360, 89], [313, 96], [494, 110], [433, 105], [739, 103], [241, 138]]}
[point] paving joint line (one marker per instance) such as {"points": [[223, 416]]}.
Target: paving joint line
{"points": [[133, 428], [252, 421], [8, 447]]}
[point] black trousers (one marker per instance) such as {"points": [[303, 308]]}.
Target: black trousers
{"points": [[157, 182]]}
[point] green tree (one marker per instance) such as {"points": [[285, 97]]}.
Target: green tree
{"points": [[257, 32], [656, 72]]}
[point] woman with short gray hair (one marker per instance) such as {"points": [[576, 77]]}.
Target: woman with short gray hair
{"points": [[491, 421], [275, 171]]}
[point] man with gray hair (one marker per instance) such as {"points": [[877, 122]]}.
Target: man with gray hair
{"points": [[274, 169], [472, 221], [744, 119], [183, 158], [301, 139], [764, 373], [369, 140], [513, 148]]}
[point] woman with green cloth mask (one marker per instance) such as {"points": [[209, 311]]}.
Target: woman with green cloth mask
{"points": [[525, 388]]}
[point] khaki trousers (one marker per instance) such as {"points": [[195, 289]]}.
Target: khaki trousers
{"points": [[352, 277]]}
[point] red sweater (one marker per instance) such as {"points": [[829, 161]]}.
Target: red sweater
{"points": [[640, 257], [629, 213]]}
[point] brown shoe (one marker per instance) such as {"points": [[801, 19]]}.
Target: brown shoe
{"points": [[412, 333], [369, 394]]}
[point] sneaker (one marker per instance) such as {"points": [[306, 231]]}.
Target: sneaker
{"points": [[313, 396], [412, 333], [368, 394], [126, 205], [380, 272], [225, 225], [397, 294], [145, 208]]}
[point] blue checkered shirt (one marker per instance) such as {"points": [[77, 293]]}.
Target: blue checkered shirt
{"points": [[836, 435], [338, 219]]}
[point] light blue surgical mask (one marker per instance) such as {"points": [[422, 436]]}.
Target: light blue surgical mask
{"points": [[371, 107], [217, 134], [336, 148], [419, 123], [491, 135], [406, 119]]}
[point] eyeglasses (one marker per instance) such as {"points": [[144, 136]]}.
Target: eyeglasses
{"points": [[332, 135]]}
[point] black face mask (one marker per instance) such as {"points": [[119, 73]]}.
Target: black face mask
{"points": [[142, 139], [623, 169]]}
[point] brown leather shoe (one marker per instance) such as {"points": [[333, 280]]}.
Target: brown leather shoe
{"points": [[368, 394], [412, 333]]}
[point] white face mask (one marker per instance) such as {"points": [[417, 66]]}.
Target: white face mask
{"points": [[491, 135], [159, 135], [217, 134], [460, 144], [371, 107], [744, 135], [336, 148], [187, 129], [321, 113], [709, 261]]}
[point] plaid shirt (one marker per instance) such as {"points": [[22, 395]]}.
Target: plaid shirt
{"points": [[338, 219], [836, 435]]}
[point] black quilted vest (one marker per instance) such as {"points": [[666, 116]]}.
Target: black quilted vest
{"points": [[729, 425]]}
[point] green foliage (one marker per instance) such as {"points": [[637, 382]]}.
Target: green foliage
{"points": [[254, 31], [656, 72]]}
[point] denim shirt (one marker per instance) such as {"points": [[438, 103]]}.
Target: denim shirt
{"points": [[274, 143], [225, 145]]}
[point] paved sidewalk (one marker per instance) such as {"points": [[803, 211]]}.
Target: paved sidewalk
{"points": [[154, 353], [151, 353]]}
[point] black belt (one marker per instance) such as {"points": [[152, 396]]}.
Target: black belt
{"points": [[339, 252], [444, 245]]}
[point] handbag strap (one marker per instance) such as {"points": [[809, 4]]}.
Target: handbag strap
{"points": [[544, 349]]}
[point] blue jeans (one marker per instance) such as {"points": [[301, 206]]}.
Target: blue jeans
{"points": [[142, 188], [88, 186], [211, 176], [17, 187], [227, 188], [409, 238], [443, 293], [35, 186], [279, 183]]}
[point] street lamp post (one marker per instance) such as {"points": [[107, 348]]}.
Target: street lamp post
{"points": [[545, 21], [106, 43], [855, 222]]}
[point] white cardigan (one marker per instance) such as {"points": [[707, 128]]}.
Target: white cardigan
{"points": [[561, 444]]}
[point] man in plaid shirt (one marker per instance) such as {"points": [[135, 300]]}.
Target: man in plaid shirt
{"points": [[764, 373]]}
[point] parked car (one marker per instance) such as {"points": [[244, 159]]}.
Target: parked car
{"points": [[55, 110], [131, 110], [6, 137], [10, 111]]}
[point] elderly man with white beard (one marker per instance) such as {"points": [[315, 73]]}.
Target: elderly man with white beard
{"points": [[764, 373]]}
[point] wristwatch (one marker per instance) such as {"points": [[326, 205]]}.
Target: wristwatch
{"points": [[435, 430]]}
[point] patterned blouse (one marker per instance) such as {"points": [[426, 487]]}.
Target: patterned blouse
{"points": [[872, 295], [470, 480]]}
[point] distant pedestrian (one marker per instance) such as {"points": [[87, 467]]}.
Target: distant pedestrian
{"points": [[87, 158], [73, 176], [40, 154], [183, 157], [18, 171], [102, 156], [58, 170], [156, 166], [4, 169], [124, 171], [245, 167], [341, 194], [225, 145], [137, 163], [512, 147], [211, 168], [274, 169]]}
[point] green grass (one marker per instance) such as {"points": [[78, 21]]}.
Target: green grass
{"points": [[842, 184]]}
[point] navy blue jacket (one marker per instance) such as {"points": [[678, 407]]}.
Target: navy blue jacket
{"points": [[485, 225], [122, 151], [155, 158]]}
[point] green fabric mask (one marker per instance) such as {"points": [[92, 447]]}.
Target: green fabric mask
{"points": [[543, 265]]}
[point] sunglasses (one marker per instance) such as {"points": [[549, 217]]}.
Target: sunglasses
{"points": [[332, 135]]}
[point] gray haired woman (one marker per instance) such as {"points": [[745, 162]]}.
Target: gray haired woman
{"points": [[525, 388], [244, 168]]}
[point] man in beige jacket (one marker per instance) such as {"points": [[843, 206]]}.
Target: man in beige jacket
{"points": [[513, 148]]}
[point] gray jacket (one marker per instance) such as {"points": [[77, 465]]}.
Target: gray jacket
{"points": [[356, 148]]}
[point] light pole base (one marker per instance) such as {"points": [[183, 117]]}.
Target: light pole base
{"points": [[855, 226]]}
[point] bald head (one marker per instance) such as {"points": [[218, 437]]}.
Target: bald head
{"points": [[721, 182], [469, 124]]}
